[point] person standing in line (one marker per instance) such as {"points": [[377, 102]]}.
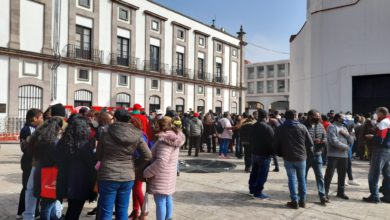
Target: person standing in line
{"points": [[326, 124], [275, 122], [209, 132], [34, 118], [225, 136], [161, 174], [339, 141], [380, 159], [195, 130], [246, 132], [292, 141], [314, 160], [261, 141], [116, 174]]}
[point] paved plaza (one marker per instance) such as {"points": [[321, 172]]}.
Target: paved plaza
{"points": [[222, 196]]}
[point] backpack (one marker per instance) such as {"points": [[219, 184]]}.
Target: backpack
{"points": [[219, 128]]}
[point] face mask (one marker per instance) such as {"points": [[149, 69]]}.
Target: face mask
{"points": [[315, 120]]}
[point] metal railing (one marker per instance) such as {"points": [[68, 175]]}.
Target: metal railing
{"points": [[10, 128], [220, 79], [182, 72], [128, 61], [153, 66], [75, 51]]}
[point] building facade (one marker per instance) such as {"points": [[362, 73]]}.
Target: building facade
{"points": [[114, 53], [267, 85], [340, 58]]}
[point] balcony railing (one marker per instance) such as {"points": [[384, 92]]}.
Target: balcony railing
{"points": [[131, 62], [152, 66], [182, 72], [220, 79], [75, 51]]}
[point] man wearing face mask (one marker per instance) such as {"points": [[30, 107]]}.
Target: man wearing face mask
{"points": [[339, 141], [314, 159], [380, 158]]}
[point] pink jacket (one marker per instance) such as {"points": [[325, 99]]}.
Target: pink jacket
{"points": [[161, 174]]}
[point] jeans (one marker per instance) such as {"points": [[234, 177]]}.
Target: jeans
{"points": [[315, 162], [341, 165], [238, 147], [48, 209], [247, 156], [31, 202], [380, 161], [164, 206], [195, 142], [296, 172], [259, 174], [223, 146], [110, 193]]}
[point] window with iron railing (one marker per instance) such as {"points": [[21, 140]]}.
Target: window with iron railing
{"points": [[201, 68], [219, 72], [154, 58], [83, 42], [123, 51], [179, 64]]}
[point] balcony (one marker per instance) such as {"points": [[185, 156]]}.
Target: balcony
{"points": [[116, 59], [182, 72], [220, 79], [76, 52], [153, 66]]}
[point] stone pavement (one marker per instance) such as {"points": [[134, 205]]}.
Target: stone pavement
{"points": [[222, 196]]}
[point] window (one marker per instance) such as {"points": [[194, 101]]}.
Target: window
{"points": [[219, 47], [180, 34], [85, 3], [179, 64], [270, 86], [251, 88], [123, 51], [154, 84], [200, 105], [219, 73], [200, 68], [251, 72], [123, 80], [123, 100], [200, 90], [270, 71], [281, 86], [179, 105], [155, 25], [83, 42], [281, 70], [29, 97], [179, 87], [234, 52], [154, 58], [123, 14], [260, 72], [233, 93], [82, 98], [218, 91], [83, 75], [154, 103], [201, 41], [260, 87]]}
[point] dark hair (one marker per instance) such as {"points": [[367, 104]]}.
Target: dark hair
{"points": [[32, 113], [262, 114], [383, 110], [337, 117], [291, 114], [122, 115], [45, 135], [47, 114], [77, 131], [312, 112], [324, 117], [225, 114], [83, 111]]}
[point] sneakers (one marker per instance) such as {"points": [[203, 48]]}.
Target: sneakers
{"points": [[370, 199], [353, 183], [19, 217], [292, 204], [261, 196], [343, 196], [302, 204]]}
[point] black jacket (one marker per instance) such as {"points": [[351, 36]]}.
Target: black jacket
{"points": [[292, 141], [27, 157], [261, 139]]}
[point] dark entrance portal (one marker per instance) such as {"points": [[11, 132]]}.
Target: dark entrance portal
{"points": [[370, 92]]}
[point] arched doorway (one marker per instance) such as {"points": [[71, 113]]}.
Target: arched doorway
{"points": [[218, 107], [29, 96], [200, 106], [179, 105], [154, 103], [82, 98], [123, 100]]}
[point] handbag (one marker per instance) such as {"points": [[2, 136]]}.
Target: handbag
{"points": [[49, 182]]}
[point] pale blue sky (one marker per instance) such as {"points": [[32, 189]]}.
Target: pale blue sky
{"points": [[268, 23]]}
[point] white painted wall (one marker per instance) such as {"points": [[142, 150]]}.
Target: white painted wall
{"points": [[4, 79], [167, 94], [234, 73], [140, 34], [139, 90], [209, 95], [64, 24], [105, 9], [333, 47], [31, 26], [226, 65], [104, 88], [190, 101], [226, 98], [4, 23], [62, 84]]}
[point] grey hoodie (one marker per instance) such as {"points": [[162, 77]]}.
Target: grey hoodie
{"points": [[338, 145]]}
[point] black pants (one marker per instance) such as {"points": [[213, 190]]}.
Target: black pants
{"points": [[341, 164], [247, 156], [74, 209], [276, 163], [194, 143], [25, 176]]}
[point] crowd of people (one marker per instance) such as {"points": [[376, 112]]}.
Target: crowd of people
{"points": [[105, 156]]}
